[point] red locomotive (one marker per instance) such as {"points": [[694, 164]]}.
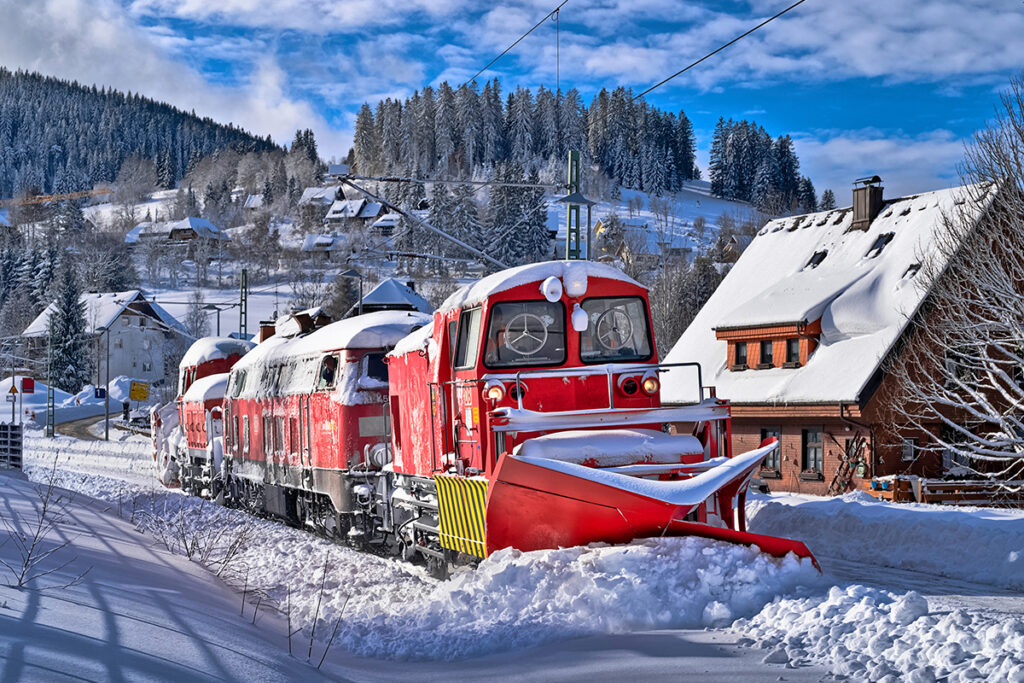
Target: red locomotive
{"points": [[182, 431], [526, 413]]}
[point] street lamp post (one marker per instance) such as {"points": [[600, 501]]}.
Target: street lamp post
{"points": [[352, 272], [214, 307], [106, 391]]}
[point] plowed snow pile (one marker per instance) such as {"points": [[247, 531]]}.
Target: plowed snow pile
{"points": [[874, 635], [515, 600]]}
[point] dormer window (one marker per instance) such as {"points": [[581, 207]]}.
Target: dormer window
{"points": [[817, 258], [879, 244], [911, 271], [793, 353]]}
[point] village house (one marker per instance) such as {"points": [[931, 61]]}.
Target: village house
{"points": [[798, 335], [140, 332], [353, 213], [185, 230]]}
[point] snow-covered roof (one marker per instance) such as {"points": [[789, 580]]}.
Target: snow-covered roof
{"points": [[102, 309], [388, 220], [253, 201], [212, 348], [416, 340], [392, 293], [338, 169], [863, 299], [345, 208], [209, 388], [532, 272], [200, 226], [324, 242], [370, 331], [318, 195], [371, 210]]}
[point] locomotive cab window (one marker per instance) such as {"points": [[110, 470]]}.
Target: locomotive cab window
{"points": [[617, 330], [468, 339], [525, 333], [375, 368], [328, 373]]}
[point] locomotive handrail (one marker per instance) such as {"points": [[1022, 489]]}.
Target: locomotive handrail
{"points": [[509, 419], [611, 369]]}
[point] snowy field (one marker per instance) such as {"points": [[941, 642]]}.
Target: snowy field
{"points": [[648, 601]]}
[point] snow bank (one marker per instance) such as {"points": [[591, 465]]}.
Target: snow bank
{"points": [[981, 545], [67, 407], [870, 634], [515, 600]]}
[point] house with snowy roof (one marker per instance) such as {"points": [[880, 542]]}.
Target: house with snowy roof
{"points": [[139, 332], [798, 334], [319, 196], [253, 202], [392, 295], [353, 212]]}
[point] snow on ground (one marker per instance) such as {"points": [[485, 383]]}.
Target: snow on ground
{"points": [[982, 545], [158, 206], [67, 407], [116, 606], [599, 595]]}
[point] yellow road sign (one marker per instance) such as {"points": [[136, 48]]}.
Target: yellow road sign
{"points": [[139, 391], [13, 390]]}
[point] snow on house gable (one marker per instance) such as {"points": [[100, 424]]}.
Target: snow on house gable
{"points": [[391, 294], [253, 202], [102, 309], [800, 271]]}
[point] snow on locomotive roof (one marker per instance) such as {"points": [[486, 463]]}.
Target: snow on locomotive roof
{"points": [[368, 331], [211, 348], [414, 341], [209, 388], [532, 272]]}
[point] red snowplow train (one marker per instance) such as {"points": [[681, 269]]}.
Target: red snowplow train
{"points": [[525, 413]]}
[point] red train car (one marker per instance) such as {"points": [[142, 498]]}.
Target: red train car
{"points": [[307, 422], [201, 417], [528, 415], [207, 356]]}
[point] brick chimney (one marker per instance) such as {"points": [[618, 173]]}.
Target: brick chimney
{"points": [[867, 201], [267, 330]]}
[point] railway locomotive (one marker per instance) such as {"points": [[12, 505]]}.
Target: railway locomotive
{"points": [[524, 413]]}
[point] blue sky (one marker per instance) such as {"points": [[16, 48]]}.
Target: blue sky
{"points": [[875, 86]]}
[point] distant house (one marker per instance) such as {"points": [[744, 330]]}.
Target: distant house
{"points": [[324, 244], [349, 212], [798, 333], [639, 242], [175, 231], [387, 224], [335, 171], [139, 332], [253, 202], [392, 295], [319, 196]]}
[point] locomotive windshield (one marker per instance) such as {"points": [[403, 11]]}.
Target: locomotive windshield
{"points": [[618, 330], [525, 333]]}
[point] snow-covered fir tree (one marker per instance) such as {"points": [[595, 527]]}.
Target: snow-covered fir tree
{"points": [[828, 201], [69, 355]]}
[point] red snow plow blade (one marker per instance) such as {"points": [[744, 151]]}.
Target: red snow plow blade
{"points": [[538, 502]]}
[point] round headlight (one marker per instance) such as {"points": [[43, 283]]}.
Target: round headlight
{"points": [[516, 390], [629, 386], [494, 391], [650, 385]]}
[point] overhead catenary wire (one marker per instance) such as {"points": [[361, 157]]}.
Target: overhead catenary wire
{"points": [[423, 181], [719, 49], [517, 41]]}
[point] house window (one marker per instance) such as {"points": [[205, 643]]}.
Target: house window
{"points": [[811, 459], [911, 270], [125, 321], [879, 244], [741, 354], [817, 258], [118, 343], [793, 352], [142, 322], [766, 354], [909, 450], [147, 367], [773, 460]]}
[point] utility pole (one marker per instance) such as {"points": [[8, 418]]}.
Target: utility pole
{"points": [[243, 305], [106, 393], [50, 417], [572, 220]]}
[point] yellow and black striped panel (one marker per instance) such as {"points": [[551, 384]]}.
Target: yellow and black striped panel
{"points": [[461, 504]]}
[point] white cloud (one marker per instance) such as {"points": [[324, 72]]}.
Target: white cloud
{"points": [[906, 164], [97, 42]]}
